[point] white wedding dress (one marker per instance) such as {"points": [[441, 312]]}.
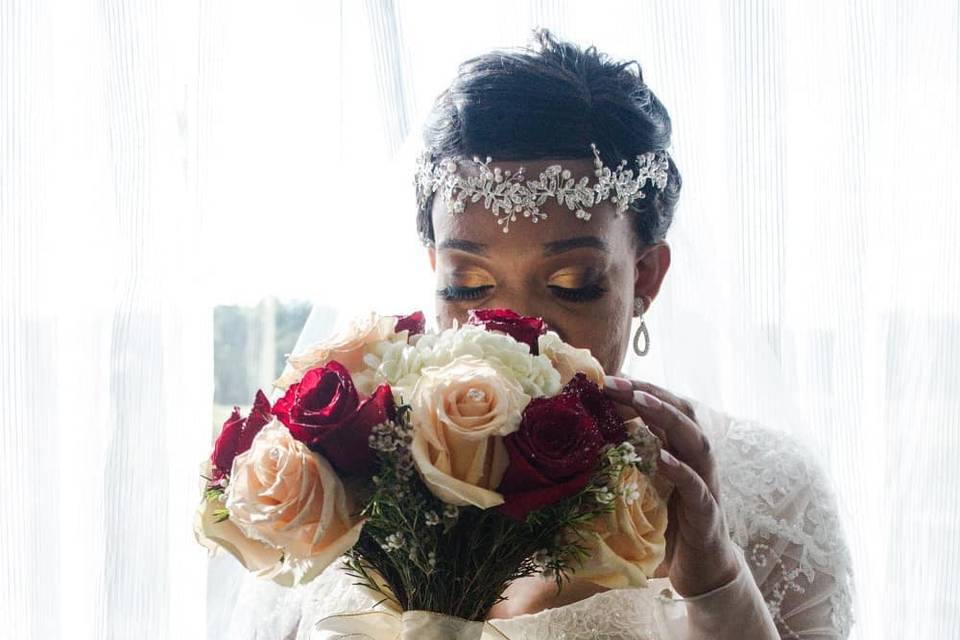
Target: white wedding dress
{"points": [[781, 514]]}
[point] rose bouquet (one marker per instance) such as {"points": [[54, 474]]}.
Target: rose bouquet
{"points": [[441, 466]]}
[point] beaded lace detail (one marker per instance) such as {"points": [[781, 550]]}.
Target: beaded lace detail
{"points": [[778, 507], [781, 511]]}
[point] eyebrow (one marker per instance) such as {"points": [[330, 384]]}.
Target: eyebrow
{"points": [[549, 248], [464, 245]]}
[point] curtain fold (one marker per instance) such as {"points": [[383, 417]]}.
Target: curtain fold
{"points": [[159, 157], [104, 334]]}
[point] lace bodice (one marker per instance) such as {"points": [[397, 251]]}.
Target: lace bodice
{"points": [[780, 512]]}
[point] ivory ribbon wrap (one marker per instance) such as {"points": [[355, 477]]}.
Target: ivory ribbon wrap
{"points": [[408, 625]]}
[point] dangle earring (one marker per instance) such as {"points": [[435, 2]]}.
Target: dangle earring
{"points": [[641, 330]]}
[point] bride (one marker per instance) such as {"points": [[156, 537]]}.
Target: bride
{"points": [[754, 546]]}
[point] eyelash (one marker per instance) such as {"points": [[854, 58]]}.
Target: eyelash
{"points": [[580, 294], [453, 293]]}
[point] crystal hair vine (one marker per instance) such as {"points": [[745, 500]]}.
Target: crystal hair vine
{"points": [[507, 193]]}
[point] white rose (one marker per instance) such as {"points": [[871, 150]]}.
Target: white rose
{"points": [[348, 348], [460, 413], [288, 497], [569, 360], [630, 541], [217, 533]]}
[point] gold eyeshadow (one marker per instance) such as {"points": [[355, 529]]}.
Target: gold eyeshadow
{"points": [[470, 278], [572, 278]]}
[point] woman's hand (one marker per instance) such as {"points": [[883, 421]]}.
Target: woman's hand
{"points": [[699, 551]]}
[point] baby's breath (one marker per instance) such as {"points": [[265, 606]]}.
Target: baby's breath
{"points": [[628, 453], [459, 559], [631, 493], [544, 562], [394, 542]]}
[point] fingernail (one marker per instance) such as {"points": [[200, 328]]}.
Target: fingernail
{"points": [[647, 400], [616, 384], [668, 458]]}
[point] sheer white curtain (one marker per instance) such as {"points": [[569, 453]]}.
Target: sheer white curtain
{"points": [[160, 157], [105, 341]]}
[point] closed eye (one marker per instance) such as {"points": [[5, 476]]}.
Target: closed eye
{"points": [[587, 293]]}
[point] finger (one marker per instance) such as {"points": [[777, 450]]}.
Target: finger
{"points": [[660, 433], [671, 532], [698, 505], [660, 393], [683, 434]]}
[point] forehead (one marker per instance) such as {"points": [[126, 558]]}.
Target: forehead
{"points": [[477, 223]]}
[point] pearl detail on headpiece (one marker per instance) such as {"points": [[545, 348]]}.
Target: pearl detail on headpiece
{"points": [[506, 193]]}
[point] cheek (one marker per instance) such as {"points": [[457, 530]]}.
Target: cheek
{"points": [[616, 347], [604, 332]]}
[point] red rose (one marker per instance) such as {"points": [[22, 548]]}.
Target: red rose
{"points": [[324, 412], [552, 455], [415, 323], [599, 405], [237, 434], [524, 329]]}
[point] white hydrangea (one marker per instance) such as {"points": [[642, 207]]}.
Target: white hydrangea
{"points": [[400, 365], [535, 374], [392, 362]]}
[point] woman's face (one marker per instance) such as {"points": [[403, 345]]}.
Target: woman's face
{"points": [[579, 276]]}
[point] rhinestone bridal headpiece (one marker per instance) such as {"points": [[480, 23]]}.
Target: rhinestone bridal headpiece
{"points": [[508, 194]]}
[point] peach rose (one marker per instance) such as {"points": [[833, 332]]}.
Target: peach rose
{"points": [[348, 347], [631, 540], [461, 411], [569, 360], [214, 533], [286, 496]]}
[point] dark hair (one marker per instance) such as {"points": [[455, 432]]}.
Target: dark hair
{"points": [[551, 100]]}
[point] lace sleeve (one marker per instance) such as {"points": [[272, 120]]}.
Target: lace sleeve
{"points": [[781, 511]]}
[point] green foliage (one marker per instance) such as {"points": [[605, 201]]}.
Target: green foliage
{"points": [[214, 493], [426, 555]]}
